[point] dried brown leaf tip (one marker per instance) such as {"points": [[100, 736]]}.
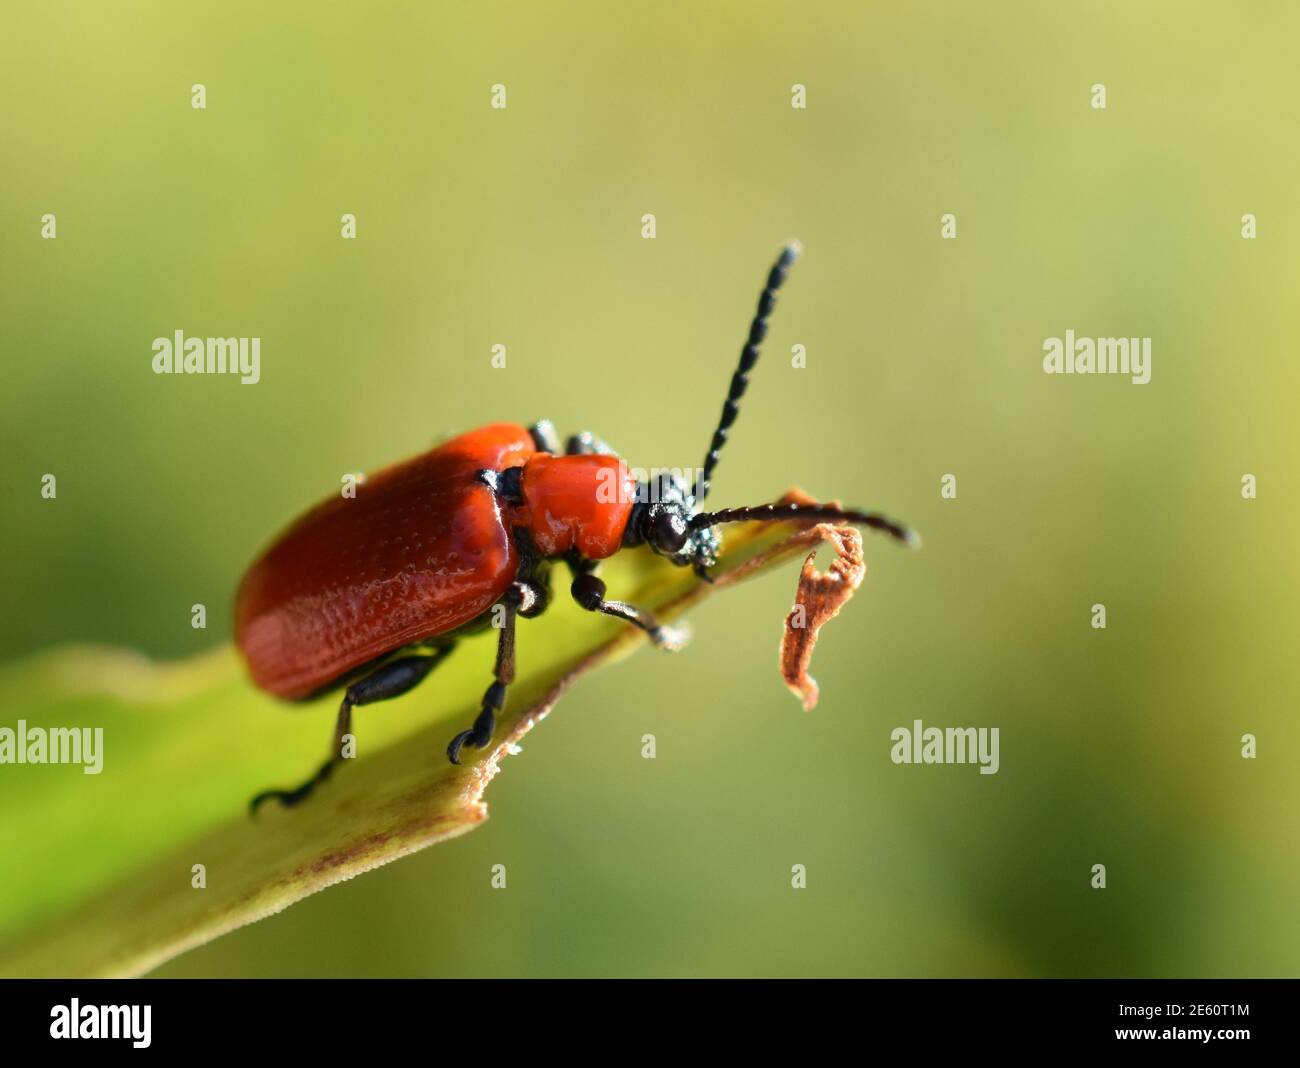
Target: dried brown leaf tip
{"points": [[818, 599]]}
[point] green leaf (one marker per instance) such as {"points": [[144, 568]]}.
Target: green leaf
{"points": [[99, 867]]}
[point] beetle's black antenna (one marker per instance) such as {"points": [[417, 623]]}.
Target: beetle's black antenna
{"points": [[779, 512], [748, 357]]}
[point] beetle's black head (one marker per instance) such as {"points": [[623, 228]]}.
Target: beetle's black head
{"points": [[661, 519]]}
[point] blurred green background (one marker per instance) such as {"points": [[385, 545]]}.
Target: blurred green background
{"points": [[523, 227]]}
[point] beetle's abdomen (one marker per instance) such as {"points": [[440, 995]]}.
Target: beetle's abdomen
{"points": [[420, 550]]}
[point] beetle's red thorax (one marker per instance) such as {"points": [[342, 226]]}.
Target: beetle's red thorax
{"points": [[576, 502]]}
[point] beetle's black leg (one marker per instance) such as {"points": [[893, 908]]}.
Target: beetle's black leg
{"points": [[702, 573], [545, 439], [520, 599], [589, 592], [539, 586], [392, 679], [587, 444]]}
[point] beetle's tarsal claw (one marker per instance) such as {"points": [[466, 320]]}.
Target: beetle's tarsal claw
{"points": [[258, 801], [289, 798], [453, 750]]}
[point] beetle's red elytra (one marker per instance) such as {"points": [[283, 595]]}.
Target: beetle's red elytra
{"points": [[372, 591], [420, 551]]}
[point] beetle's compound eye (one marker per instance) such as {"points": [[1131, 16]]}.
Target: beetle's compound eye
{"points": [[669, 533]]}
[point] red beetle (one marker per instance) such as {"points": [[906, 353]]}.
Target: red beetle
{"points": [[374, 590]]}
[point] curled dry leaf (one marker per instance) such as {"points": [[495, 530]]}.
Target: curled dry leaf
{"points": [[101, 870], [819, 598]]}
